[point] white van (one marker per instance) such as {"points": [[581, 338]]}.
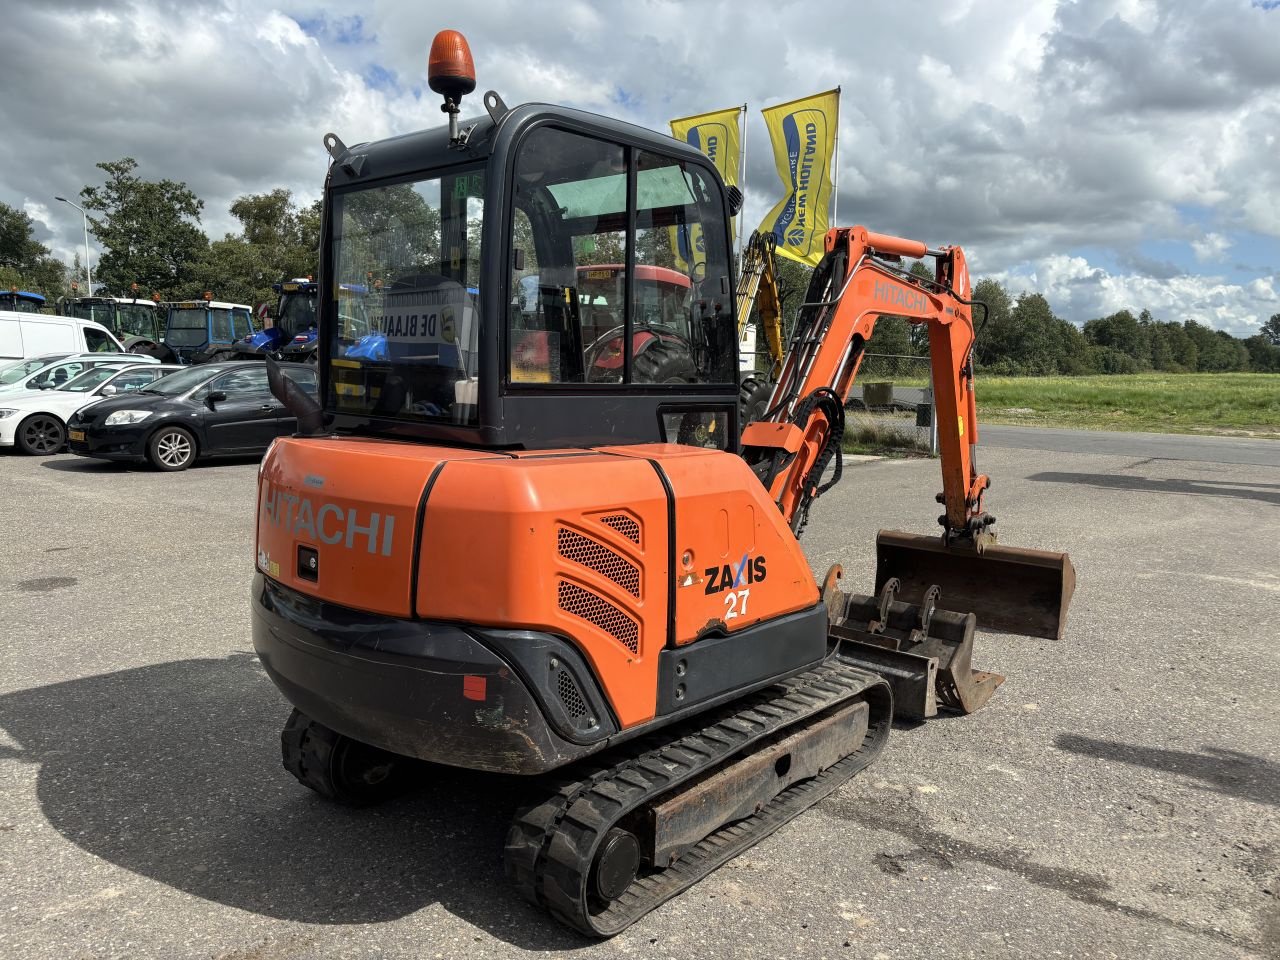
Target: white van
{"points": [[24, 335]]}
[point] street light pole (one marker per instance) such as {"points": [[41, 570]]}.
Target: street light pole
{"points": [[85, 217]]}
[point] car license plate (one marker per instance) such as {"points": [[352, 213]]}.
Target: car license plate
{"points": [[77, 435]]}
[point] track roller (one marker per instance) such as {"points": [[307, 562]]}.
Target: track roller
{"points": [[339, 768]]}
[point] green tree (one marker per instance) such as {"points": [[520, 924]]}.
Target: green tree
{"points": [[24, 261], [1217, 351], [1122, 331], [892, 336], [150, 230], [1264, 354], [1271, 329], [992, 348], [277, 241], [19, 249]]}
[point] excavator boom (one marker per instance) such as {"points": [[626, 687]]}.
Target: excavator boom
{"points": [[860, 279]]}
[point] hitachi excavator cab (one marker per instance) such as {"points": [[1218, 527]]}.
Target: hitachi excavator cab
{"points": [[511, 277]]}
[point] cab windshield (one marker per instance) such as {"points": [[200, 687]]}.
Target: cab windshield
{"points": [[414, 250], [19, 303], [136, 320], [103, 313], [297, 311]]}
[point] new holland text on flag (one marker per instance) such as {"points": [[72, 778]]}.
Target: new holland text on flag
{"points": [[803, 134], [717, 135]]}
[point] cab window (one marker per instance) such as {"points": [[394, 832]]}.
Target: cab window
{"points": [[411, 256], [220, 325], [240, 324], [97, 341], [584, 284]]}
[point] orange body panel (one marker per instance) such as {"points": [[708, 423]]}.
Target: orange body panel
{"points": [[356, 502], [737, 563], [574, 544]]}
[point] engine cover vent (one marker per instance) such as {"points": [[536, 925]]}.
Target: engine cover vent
{"points": [[598, 611], [624, 525], [570, 696], [597, 557]]}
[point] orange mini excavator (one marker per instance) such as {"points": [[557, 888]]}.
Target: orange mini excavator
{"points": [[467, 561]]}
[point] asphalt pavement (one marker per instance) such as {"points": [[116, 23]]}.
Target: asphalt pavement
{"points": [[1149, 446], [1117, 798]]}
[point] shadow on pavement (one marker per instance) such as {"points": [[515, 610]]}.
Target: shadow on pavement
{"points": [[1202, 488], [1230, 772], [84, 465], [173, 771], [94, 465]]}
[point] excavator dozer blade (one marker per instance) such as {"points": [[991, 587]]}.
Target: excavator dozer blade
{"points": [[1007, 588]]}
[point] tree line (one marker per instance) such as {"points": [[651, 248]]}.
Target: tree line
{"points": [[152, 244], [1021, 336], [150, 234]]}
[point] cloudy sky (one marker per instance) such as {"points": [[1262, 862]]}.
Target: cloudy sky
{"points": [[1107, 153]]}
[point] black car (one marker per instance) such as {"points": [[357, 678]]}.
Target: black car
{"points": [[215, 409]]}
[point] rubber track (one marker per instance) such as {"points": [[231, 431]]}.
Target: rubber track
{"points": [[551, 846]]}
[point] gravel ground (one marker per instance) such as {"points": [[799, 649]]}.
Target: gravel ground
{"points": [[1118, 797]]}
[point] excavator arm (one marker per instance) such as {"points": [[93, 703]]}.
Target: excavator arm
{"points": [[857, 282], [797, 443]]}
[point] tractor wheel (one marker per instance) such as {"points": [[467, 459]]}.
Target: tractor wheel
{"points": [[664, 362], [753, 400], [40, 435], [339, 768], [171, 449]]}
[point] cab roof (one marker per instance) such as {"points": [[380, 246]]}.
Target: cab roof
{"points": [[429, 149]]}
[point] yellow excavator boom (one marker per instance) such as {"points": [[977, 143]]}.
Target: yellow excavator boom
{"points": [[758, 285]]}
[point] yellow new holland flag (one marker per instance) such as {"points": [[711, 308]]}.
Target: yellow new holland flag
{"points": [[803, 133], [716, 134]]}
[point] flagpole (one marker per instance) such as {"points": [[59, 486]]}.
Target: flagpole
{"points": [[835, 186], [742, 179]]}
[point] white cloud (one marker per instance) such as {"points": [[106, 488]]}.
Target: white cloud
{"points": [[1079, 291], [1211, 247], [1020, 131]]}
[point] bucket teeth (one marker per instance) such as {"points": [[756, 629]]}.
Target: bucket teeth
{"points": [[922, 651]]}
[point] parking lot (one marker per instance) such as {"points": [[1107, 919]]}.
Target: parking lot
{"points": [[1118, 798]]}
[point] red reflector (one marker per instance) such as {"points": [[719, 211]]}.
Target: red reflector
{"points": [[474, 688]]}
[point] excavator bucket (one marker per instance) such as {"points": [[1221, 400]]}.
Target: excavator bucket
{"points": [[923, 652], [1007, 588]]}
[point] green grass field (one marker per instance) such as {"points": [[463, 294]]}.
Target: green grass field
{"points": [[1214, 403]]}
